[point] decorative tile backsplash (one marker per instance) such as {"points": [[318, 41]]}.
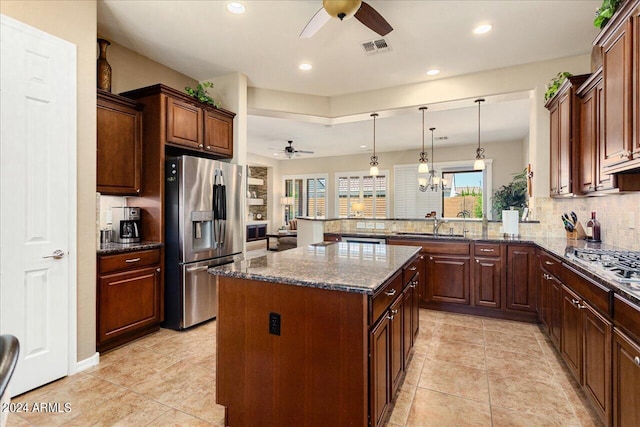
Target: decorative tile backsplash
{"points": [[616, 214]]}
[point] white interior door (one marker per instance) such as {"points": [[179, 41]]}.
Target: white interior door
{"points": [[37, 207]]}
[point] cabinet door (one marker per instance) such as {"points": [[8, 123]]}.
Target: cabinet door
{"points": [[448, 279], [564, 148], [555, 308], [415, 308], [218, 134], [617, 98], [604, 181], [597, 361], [184, 124], [261, 231], [487, 274], [554, 150], [588, 141], [521, 278], [626, 381], [380, 370], [397, 352], [119, 146], [571, 343], [128, 301], [407, 328]]}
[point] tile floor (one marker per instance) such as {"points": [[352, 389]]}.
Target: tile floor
{"points": [[465, 371]]}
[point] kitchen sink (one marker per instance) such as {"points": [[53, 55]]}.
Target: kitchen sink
{"points": [[427, 234]]}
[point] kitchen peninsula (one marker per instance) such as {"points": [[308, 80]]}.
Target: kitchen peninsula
{"points": [[318, 334]]}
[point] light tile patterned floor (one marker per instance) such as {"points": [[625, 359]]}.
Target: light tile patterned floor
{"points": [[465, 371]]}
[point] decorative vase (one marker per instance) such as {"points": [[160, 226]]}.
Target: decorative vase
{"points": [[104, 69]]}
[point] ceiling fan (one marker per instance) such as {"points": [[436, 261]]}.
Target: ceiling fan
{"points": [[290, 152], [342, 9]]}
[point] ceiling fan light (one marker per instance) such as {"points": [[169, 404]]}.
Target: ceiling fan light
{"points": [[433, 72], [289, 154], [341, 9], [478, 165], [482, 29], [373, 171], [305, 67], [423, 168]]}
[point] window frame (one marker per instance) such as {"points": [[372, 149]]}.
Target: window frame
{"points": [[360, 175], [305, 196]]}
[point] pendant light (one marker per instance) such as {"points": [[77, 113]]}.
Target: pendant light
{"points": [[373, 171], [424, 159], [435, 180], [479, 163]]}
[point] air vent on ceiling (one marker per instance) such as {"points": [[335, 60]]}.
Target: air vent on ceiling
{"points": [[372, 47]]}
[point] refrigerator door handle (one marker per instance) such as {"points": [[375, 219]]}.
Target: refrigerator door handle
{"points": [[193, 269]]}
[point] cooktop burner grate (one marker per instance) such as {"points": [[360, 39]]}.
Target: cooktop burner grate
{"points": [[623, 265]]}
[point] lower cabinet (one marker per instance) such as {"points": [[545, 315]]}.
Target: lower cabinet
{"points": [[626, 380], [550, 306], [448, 279], [571, 343], [129, 297], [410, 318], [521, 278], [596, 377], [396, 314], [487, 283], [380, 370], [256, 232]]}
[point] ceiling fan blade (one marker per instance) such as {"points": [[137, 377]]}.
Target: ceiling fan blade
{"points": [[319, 19], [304, 151], [372, 19]]}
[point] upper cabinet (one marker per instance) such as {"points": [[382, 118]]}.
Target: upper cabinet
{"points": [[119, 145], [565, 130], [186, 123], [620, 149]]}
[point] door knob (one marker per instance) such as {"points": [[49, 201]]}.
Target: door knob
{"points": [[57, 254]]}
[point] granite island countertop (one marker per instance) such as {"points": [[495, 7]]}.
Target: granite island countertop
{"points": [[351, 267]]}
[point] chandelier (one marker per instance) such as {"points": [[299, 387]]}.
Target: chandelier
{"points": [[433, 180]]}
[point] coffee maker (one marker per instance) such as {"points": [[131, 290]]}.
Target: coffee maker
{"points": [[126, 224]]}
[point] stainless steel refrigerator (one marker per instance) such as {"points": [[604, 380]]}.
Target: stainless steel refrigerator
{"points": [[203, 228]]}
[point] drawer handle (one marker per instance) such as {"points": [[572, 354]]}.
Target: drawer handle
{"points": [[390, 317], [431, 258], [486, 250], [208, 147], [200, 145], [394, 311], [549, 263], [478, 261], [132, 260], [390, 293], [414, 268], [636, 360], [158, 269], [421, 256]]}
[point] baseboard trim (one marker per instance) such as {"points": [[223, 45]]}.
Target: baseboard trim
{"points": [[87, 363]]}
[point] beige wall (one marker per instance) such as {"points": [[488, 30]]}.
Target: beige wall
{"points": [[507, 160], [131, 70], [76, 22]]}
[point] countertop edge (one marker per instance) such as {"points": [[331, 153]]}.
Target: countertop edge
{"points": [[119, 248]]}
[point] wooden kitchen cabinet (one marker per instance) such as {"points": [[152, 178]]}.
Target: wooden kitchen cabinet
{"points": [[188, 123], [487, 275], [597, 331], [571, 343], [119, 145], [550, 298], [626, 380], [564, 111], [379, 370], [396, 314], [521, 287], [448, 279], [129, 297]]}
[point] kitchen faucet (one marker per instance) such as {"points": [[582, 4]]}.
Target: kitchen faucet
{"points": [[437, 223]]}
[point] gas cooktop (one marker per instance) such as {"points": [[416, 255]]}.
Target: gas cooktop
{"points": [[621, 266]]}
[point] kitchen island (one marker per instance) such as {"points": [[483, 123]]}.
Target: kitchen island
{"points": [[317, 335]]}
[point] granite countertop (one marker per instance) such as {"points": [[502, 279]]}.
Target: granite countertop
{"points": [[352, 267], [118, 248]]}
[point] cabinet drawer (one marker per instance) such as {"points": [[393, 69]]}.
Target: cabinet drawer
{"points": [[596, 295], [487, 249], [448, 248], [129, 260], [550, 263], [627, 316], [410, 270], [383, 299]]}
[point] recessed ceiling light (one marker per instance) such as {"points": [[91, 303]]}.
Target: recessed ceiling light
{"points": [[276, 154], [236, 7], [433, 72], [363, 146], [305, 67], [482, 29]]}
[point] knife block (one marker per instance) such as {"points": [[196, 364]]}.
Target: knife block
{"points": [[577, 234]]}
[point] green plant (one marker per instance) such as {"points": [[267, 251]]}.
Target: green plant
{"points": [[512, 195], [605, 12], [200, 93], [555, 84], [477, 209]]}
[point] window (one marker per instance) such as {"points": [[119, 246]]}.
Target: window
{"points": [[464, 192], [361, 188], [309, 193]]}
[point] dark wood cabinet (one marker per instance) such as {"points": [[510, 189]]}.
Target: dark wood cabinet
{"points": [[487, 282], [626, 380], [119, 145], [448, 279], [617, 65], [564, 111], [129, 297], [521, 278], [218, 133], [380, 370], [550, 300], [597, 331], [571, 343], [411, 313], [256, 232], [396, 318], [184, 124]]}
